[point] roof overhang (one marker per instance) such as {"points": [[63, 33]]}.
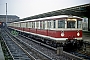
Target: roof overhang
{"points": [[81, 11]]}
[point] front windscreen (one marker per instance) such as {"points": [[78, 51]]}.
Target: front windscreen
{"points": [[70, 24]]}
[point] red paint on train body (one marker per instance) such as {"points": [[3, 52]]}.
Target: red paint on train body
{"points": [[53, 33]]}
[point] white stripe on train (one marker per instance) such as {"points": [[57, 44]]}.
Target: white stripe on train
{"points": [[63, 39]]}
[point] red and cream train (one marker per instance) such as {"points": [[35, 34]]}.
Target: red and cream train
{"points": [[62, 30]]}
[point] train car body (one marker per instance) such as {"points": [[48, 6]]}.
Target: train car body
{"points": [[60, 30]]}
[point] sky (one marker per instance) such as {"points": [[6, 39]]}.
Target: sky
{"points": [[27, 8]]}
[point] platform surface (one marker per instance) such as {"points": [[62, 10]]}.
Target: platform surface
{"points": [[86, 36], [1, 53]]}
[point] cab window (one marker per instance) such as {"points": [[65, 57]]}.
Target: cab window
{"points": [[70, 24], [61, 23]]}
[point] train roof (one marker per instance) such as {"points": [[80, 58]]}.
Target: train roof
{"points": [[52, 17]]}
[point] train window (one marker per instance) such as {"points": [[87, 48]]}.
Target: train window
{"points": [[79, 23], [71, 24], [37, 24], [48, 24], [40, 24], [18, 24], [61, 23], [32, 24], [29, 24], [54, 23], [23, 24], [26, 24], [43, 24]]}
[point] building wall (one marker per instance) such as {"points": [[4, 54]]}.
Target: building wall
{"points": [[10, 18]]}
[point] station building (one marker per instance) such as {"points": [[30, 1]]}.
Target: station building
{"points": [[10, 18]]}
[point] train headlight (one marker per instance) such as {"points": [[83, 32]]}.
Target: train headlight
{"points": [[78, 34], [62, 33]]}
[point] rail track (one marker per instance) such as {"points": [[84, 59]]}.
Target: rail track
{"points": [[84, 52], [51, 55], [49, 52], [78, 54], [14, 50], [28, 50], [44, 52]]}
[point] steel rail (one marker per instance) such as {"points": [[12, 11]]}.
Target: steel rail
{"points": [[30, 56]]}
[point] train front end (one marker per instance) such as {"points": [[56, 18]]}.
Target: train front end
{"points": [[72, 34]]}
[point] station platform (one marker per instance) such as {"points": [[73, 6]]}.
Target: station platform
{"points": [[86, 31], [1, 53], [86, 36]]}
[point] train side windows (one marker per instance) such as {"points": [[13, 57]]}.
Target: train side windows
{"points": [[33, 24], [23, 24], [79, 24], [48, 24], [29, 24], [43, 24], [40, 24], [37, 24], [19, 25], [54, 23], [61, 23], [26, 24]]}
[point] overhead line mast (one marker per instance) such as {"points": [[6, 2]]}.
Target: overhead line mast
{"points": [[6, 14]]}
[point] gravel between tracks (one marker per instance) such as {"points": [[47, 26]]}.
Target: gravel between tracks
{"points": [[45, 50], [16, 51]]}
